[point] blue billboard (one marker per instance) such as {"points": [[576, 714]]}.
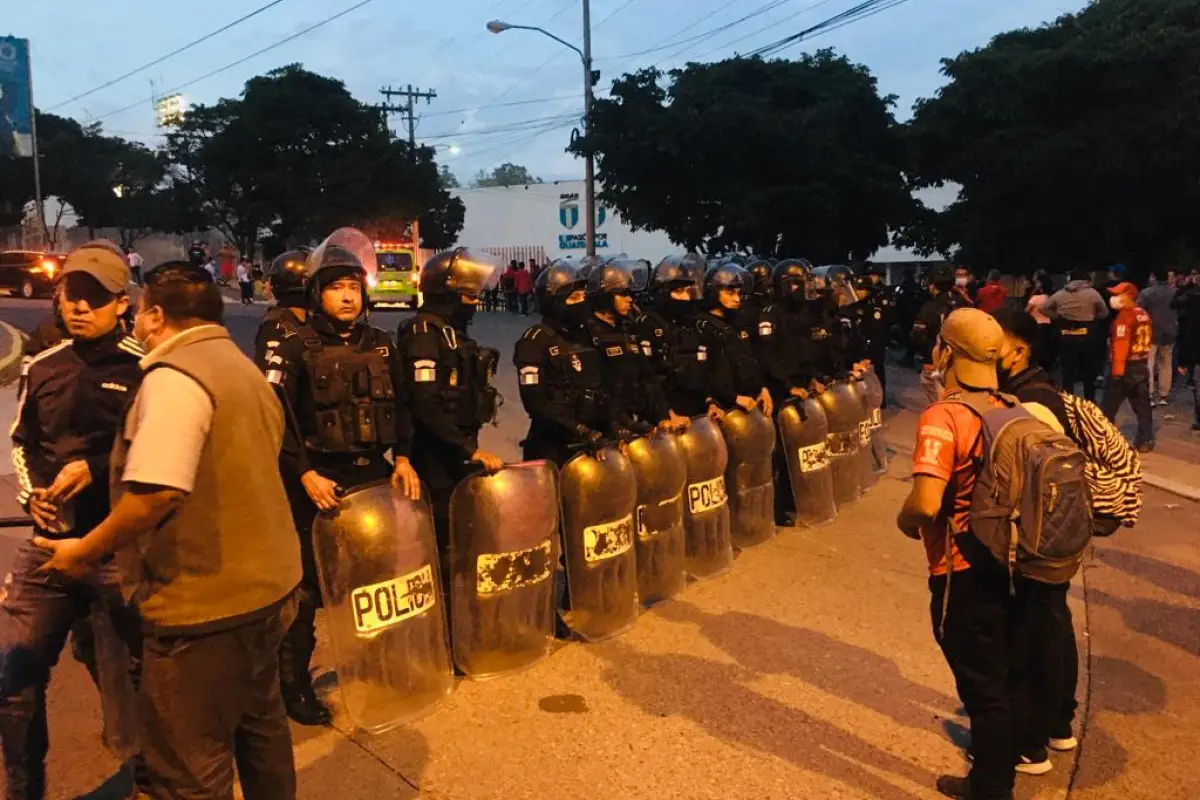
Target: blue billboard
{"points": [[16, 123]]}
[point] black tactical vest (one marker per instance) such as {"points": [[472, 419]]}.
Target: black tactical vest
{"points": [[467, 390], [354, 399]]}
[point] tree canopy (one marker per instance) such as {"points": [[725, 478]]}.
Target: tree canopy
{"points": [[297, 156], [506, 174], [797, 158], [1076, 143]]}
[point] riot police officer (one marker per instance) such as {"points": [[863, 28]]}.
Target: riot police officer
{"points": [[928, 324], [668, 335], [788, 345], [288, 280], [873, 316], [451, 395], [759, 297], [559, 372], [734, 378], [628, 375], [344, 392]]}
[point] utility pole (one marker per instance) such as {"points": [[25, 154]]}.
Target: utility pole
{"points": [[408, 109], [589, 160]]}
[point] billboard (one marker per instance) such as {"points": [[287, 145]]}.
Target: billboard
{"points": [[16, 124]]}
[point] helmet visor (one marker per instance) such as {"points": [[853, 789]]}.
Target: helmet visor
{"points": [[473, 272], [352, 240]]}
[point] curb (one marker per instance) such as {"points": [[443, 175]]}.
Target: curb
{"points": [[10, 362]]}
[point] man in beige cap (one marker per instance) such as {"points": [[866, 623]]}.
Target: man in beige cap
{"points": [[69, 408], [970, 621]]}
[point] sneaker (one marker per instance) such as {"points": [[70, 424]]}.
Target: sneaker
{"points": [[1037, 763], [954, 786], [1162, 401], [1063, 745]]}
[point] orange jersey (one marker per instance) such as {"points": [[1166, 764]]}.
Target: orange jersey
{"points": [[1129, 339]]}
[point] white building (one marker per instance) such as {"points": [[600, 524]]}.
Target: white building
{"points": [[546, 220]]}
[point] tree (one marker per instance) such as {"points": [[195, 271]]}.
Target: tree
{"points": [[296, 156], [1076, 144], [789, 158], [505, 175], [447, 178], [441, 224]]}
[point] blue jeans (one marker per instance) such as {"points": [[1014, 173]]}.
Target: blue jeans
{"points": [[35, 619]]}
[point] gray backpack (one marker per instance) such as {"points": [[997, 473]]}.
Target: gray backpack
{"points": [[1031, 507]]}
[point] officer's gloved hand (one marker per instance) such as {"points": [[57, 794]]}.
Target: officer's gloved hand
{"points": [[817, 386], [642, 428], [624, 435]]}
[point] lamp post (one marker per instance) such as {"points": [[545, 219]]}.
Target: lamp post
{"points": [[585, 55]]}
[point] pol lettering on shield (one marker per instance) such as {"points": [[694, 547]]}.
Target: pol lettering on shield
{"points": [[707, 495], [382, 605]]}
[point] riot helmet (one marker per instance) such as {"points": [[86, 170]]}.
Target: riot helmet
{"points": [[288, 274], [554, 287], [760, 272], [611, 281], [793, 279], [346, 253], [728, 276], [675, 272], [452, 282], [833, 284]]}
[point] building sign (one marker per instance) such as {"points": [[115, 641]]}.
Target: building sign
{"points": [[569, 217], [16, 119]]}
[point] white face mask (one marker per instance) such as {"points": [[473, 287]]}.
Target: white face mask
{"points": [[1117, 303], [962, 282]]}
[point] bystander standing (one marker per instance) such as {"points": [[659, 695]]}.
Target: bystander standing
{"points": [[1156, 300]]}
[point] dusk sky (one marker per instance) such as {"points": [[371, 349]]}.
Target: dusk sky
{"points": [[483, 80]]}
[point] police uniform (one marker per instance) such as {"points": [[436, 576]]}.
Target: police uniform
{"points": [[732, 367], [72, 401], [796, 347], [672, 343], [873, 317], [561, 382], [346, 407], [451, 398], [628, 376], [929, 321], [277, 323]]}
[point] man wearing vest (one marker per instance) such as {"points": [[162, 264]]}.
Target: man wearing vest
{"points": [[969, 602], [346, 399], [193, 472]]}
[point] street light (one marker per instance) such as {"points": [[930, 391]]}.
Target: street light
{"points": [[585, 55]]}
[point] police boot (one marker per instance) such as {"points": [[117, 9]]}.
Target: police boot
{"points": [[304, 707]]}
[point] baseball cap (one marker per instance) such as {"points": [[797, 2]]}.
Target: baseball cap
{"points": [[1125, 287], [104, 261], [975, 339]]}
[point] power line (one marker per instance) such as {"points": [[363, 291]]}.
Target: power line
{"points": [[867, 8], [702, 36], [169, 55], [240, 61], [757, 31], [508, 127], [511, 103]]}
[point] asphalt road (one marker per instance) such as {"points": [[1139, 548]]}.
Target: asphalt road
{"points": [[807, 671]]}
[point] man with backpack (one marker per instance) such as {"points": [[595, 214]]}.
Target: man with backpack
{"points": [[999, 501]]}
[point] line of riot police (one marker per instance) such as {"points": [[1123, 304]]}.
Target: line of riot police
{"points": [[676, 414]]}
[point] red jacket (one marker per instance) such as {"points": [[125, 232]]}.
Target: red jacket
{"points": [[523, 281], [1129, 338], [991, 297]]}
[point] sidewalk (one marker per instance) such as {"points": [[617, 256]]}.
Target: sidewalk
{"points": [[1174, 466]]}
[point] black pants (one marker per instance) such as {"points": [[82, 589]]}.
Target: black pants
{"points": [[1076, 356], [523, 300], [1040, 689], [1133, 386], [879, 364], [978, 645], [211, 701], [510, 299], [35, 618]]}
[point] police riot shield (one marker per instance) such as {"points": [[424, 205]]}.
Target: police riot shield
{"points": [[844, 413], [866, 476], [879, 452], [750, 441], [377, 563], [661, 473], [599, 498], [706, 506], [503, 553], [803, 430]]}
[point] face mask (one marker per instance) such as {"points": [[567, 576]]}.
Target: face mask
{"points": [[464, 313], [963, 282], [1115, 302], [576, 314]]}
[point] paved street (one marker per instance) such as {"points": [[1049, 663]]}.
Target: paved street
{"points": [[808, 671]]}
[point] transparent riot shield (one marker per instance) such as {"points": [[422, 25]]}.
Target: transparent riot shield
{"points": [[803, 430], [844, 414], [706, 503], [661, 472], [750, 441], [503, 552], [879, 451], [377, 563], [599, 498], [865, 477]]}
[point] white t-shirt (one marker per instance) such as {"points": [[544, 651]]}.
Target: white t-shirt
{"points": [[243, 274], [135, 260]]}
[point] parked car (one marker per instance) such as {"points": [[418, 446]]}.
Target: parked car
{"points": [[28, 273]]}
